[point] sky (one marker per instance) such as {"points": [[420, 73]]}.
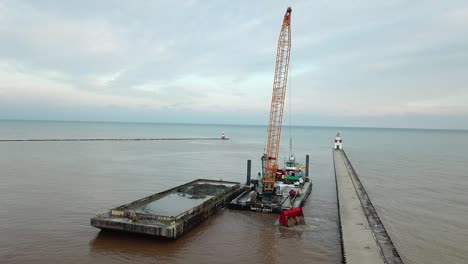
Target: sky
{"points": [[361, 63]]}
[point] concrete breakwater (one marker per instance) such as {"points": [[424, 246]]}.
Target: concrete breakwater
{"points": [[111, 139], [364, 238]]}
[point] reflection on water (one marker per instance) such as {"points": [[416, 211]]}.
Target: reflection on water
{"points": [[128, 244]]}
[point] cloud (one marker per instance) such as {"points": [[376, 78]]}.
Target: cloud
{"points": [[52, 40], [109, 78], [456, 105], [457, 17], [24, 86]]}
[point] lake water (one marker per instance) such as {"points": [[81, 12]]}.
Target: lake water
{"points": [[417, 180]]}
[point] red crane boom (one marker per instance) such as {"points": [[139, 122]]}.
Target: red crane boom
{"points": [[277, 103]]}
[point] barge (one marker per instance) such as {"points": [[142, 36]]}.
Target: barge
{"points": [[291, 190], [171, 213]]}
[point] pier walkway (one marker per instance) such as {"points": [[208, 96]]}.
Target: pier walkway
{"points": [[363, 236]]}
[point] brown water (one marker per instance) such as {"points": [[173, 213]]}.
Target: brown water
{"points": [[417, 180], [50, 190]]}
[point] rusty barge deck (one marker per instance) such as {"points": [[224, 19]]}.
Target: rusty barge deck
{"points": [[171, 213]]}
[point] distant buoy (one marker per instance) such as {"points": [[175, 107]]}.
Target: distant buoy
{"points": [[338, 142]]}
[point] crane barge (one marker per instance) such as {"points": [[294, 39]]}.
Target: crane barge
{"points": [[277, 190]]}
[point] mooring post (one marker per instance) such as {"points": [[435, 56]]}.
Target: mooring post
{"points": [[307, 166], [249, 166]]}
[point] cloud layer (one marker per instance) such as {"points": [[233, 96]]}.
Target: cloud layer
{"points": [[351, 60]]}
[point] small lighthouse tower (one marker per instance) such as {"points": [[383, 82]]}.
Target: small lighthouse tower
{"points": [[338, 142]]}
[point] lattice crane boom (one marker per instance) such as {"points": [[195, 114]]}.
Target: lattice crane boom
{"points": [[277, 103]]}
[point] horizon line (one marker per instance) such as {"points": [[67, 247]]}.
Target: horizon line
{"points": [[220, 124]]}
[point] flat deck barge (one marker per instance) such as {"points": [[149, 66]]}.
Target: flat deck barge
{"points": [[279, 201], [247, 201], [171, 213]]}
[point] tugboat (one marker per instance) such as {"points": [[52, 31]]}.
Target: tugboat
{"points": [[291, 177], [291, 190]]}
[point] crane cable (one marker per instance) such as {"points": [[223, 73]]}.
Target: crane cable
{"points": [[289, 106]]}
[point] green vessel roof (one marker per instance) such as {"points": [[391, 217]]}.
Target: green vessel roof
{"points": [[292, 178]]}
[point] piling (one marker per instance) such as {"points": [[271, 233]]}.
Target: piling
{"points": [[307, 166], [249, 171]]}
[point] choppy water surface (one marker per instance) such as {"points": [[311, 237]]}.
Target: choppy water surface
{"points": [[49, 191]]}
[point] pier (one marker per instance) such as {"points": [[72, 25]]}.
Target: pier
{"points": [[364, 238]]}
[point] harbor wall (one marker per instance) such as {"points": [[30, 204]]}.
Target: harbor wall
{"points": [[363, 236]]}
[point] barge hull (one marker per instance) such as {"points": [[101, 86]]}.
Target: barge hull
{"points": [[130, 218], [242, 202]]}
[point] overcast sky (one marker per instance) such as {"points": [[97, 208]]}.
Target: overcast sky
{"points": [[353, 63]]}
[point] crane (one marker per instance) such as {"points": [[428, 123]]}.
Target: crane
{"points": [[277, 104]]}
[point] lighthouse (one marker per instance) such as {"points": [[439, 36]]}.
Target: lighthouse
{"points": [[338, 142]]}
